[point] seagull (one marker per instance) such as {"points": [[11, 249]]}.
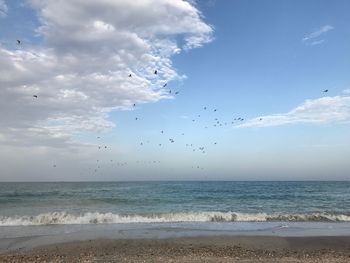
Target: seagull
{"points": [[129, 75], [165, 85], [136, 119], [134, 105], [35, 96], [177, 92], [326, 90], [18, 42], [260, 119], [155, 72]]}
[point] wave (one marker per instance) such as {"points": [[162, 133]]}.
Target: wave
{"points": [[63, 218]]}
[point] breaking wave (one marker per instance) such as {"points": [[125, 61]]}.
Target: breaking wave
{"points": [[62, 218]]}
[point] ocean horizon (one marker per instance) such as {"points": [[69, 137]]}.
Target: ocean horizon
{"points": [[51, 203]]}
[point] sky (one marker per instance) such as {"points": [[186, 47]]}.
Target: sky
{"points": [[244, 90]]}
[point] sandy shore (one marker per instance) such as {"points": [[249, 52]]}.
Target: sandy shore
{"points": [[199, 249]]}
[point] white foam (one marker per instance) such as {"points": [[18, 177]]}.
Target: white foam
{"points": [[110, 218]]}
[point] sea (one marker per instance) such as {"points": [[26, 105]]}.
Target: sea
{"points": [[83, 210]]}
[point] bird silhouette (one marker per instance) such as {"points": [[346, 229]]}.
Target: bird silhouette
{"points": [[165, 85], [326, 90], [177, 92], [155, 72], [130, 76], [18, 42], [35, 96]]}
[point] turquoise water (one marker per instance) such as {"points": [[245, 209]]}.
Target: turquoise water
{"points": [[156, 202]]}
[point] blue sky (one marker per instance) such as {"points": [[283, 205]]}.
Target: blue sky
{"points": [[255, 59]]}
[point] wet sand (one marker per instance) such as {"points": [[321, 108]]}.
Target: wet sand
{"points": [[194, 249]]}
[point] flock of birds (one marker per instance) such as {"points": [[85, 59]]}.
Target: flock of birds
{"points": [[193, 148]]}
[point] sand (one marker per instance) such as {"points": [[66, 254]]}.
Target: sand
{"points": [[196, 249]]}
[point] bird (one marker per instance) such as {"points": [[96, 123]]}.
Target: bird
{"points": [[129, 75], [54, 165], [134, 105], [35, 96], [18, 42], [136, 119], [214, 109], [162, 131], [177, 92], [260, 119], [169, 91], [326, 90], [205, 108], [165, 85], [155, 72]]}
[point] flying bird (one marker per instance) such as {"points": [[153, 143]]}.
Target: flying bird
{"points": [[326, 90], [35, 96], [129, 75], [18, 42], [205, 108], [155, 72], [134, 105], [177, 92], [165, 85]]}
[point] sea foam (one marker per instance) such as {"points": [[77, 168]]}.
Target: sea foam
{"points": [[62, 218]]}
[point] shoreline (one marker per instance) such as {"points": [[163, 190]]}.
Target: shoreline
{"points": [[191, 249]]}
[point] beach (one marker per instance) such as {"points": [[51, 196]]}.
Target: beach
{"points": [[191, 249], [175, 222]]}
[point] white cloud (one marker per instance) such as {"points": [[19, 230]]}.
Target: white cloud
{"points": [[317, 42], [317, 33], [80, 72], [322, 110], [346, 91], [3, 8]]}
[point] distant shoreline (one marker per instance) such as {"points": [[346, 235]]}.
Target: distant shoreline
{"points": [[191, 249]]}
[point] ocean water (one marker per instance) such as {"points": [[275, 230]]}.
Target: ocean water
{"points": [[93, 203]]}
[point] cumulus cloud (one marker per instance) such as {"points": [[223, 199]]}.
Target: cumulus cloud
{"points": [[322, 110], [3, 8], [80, 70]]}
